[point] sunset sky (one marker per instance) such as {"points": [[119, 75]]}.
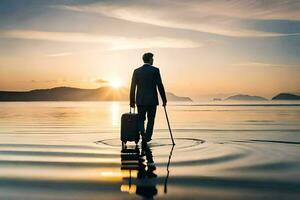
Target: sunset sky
{"points": [[203, 48]]}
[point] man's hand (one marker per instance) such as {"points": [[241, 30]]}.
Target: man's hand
{"points": [[132, 105]]}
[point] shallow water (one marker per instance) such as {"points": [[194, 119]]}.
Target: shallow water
{"points": [[71, 150]]}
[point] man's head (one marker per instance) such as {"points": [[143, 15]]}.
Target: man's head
{"points": [[148, 58]]}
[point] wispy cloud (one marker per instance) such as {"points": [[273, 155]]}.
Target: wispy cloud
{"points": [[113, 42], [216, 16], [250, 9], [34, 81], [101, 81], [59, 54], [261, 64]]}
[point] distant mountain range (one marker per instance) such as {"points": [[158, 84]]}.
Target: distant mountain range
{"points": [[245, 97], [111, 94], [76, 94]]}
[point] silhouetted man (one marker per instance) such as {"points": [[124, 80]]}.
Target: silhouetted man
{"points": [[146, 79]]}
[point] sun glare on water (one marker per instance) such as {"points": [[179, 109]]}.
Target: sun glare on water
{"points": [[115, 83]]}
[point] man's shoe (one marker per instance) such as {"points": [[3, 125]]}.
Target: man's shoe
{"points": [[144, 141], [151, 166]]}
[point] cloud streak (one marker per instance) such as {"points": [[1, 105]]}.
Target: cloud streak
{"points": [[112, 42], [59, 54], [264, 65], [250, 9], [101, 81], [216, 17]]}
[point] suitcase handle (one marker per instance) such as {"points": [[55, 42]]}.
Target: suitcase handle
{"points": [[133, 110]]}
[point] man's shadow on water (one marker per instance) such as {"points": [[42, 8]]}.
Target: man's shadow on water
{"points": [[138, 170]]}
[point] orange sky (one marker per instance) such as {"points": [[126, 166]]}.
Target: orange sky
{"points": [[213, 48]]}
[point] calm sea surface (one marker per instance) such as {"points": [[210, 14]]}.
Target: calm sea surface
{"points": [[71, 150]]}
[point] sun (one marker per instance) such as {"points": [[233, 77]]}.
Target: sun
{"points": [[116, 83]]}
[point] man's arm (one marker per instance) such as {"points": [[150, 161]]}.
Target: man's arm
{"points": [[132, 90], [161, 89]]}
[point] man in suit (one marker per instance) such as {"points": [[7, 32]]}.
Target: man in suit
{"points": [[145, 80]]}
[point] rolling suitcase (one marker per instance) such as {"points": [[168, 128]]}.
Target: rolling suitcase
{"points": [[129, 127]]}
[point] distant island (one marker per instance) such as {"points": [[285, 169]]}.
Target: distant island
{"points": [[173, 97], [76, 94], [245, 97], [286, 96], [217, 99]]}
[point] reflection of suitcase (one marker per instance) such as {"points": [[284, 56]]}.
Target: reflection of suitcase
{"points": [[129, 128]]}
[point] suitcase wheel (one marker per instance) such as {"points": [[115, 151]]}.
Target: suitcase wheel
{"points": [[123, 144]]}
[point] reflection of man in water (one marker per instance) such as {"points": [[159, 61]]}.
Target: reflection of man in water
{"points": [[146, 79], [145, 182], [146, 178]]}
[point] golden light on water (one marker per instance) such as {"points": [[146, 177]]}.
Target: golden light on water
{"points": [[131, 189], [115, 114], [111, 174]]}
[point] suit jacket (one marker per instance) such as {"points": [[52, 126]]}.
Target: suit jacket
{"points": [[146, 79]]}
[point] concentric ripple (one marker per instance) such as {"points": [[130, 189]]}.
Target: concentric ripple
{"points": [[181, 143]]}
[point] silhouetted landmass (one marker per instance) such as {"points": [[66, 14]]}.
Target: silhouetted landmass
{"points": [[286, 96], [75, 94], [244, 97], [173, 97], [217, 99]]}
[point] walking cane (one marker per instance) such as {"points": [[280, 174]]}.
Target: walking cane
{"points": [[169, 125]]}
